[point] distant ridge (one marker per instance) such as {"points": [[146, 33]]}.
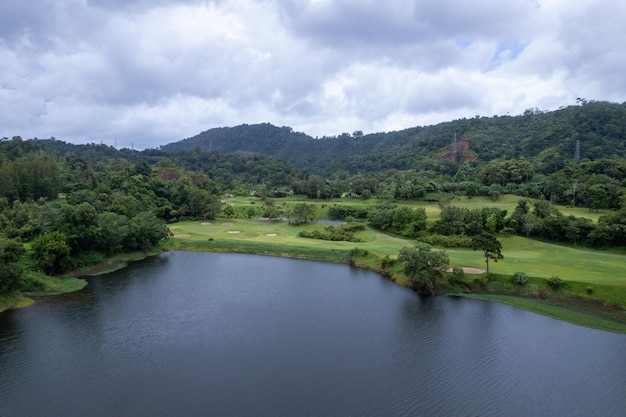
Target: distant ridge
{"points": [[547, 138]]}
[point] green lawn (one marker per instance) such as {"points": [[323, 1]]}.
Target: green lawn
{"points": [[544, 260], [262, 231], [535, 258]]}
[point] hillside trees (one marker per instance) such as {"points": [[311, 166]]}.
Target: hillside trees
{"points": [[10, 270], [505, 171], [51, 252], [32, 176]]}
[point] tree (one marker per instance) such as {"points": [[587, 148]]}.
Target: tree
{"points": [[301, 213], [490, 245], [51, 252], [10, 270], [597, 198], [529, 222], [146, 231], [423, 266], [114, 231]]}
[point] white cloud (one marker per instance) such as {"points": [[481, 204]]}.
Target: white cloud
{"points": [[153, 72]]}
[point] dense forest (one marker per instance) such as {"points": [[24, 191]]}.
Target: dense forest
{"points": [[63, 206], [549, 139]]}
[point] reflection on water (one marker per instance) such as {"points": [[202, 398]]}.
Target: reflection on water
{"points": [[199, 334]]}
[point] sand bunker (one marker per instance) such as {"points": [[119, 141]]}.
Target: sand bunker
{"points": [[205, 224], [232, 232], [180, 235], [470, 270], [271, 234], [227, 224]]}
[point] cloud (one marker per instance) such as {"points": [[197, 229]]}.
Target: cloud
{"points": [[151, 72]]}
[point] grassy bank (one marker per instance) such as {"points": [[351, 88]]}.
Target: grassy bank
{"points": [[581, 269], [14, 300], [576, 311], [37, 284]]}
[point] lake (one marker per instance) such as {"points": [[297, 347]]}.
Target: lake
{"points": [[207, 334]]}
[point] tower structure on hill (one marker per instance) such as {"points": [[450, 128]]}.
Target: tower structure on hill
{"points": [[454, 146]]}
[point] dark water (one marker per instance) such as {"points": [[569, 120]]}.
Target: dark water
{"points": [[199, 334]]}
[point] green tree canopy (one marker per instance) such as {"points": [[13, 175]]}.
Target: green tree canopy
{"points": [[489, 245], [51, 252], [10, 270], [423, 266]]}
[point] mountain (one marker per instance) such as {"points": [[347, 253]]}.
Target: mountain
{"points": [[593, 130]]}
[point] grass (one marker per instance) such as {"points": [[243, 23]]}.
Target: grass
{"points": [[252, 231], [41, 285], [569, 311], [14, 300]]}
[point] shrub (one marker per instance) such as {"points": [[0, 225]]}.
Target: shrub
{"points": [[387, 262], [457, 275], [508, 231], [520, 278], [589, 290], [358, 252], [458, 272], [555, 282]]}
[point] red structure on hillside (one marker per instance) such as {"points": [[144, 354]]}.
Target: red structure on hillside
{"points": [[461, 154]]}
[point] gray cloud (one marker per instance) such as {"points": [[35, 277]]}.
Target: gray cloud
{"points": [[150, 72]]}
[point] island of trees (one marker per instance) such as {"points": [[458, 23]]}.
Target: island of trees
{"points": [[65, 207]]}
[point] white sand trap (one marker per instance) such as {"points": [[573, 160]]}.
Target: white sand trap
{"points": [[205, 224], [233, 232], [227, 224], [180, 235], [470, 270], [271, 234]]}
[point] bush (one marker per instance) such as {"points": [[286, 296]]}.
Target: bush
{"points": [[520, 278], [508, 231], [589, 290], [343, 212], [387, 262], [358, 252], [457, 275], [555, 282], [86, 259], [335, 233]]}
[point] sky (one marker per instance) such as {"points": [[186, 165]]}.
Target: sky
{"points": [[144, 73]]}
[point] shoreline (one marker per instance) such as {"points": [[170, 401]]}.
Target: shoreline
{"points": [[561, 306], [564, 307], [19, 300]]}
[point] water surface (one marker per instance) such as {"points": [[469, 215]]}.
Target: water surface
{"points": [[202, 334]]}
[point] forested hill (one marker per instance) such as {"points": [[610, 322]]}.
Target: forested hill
{"points": [[549, 139]]}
